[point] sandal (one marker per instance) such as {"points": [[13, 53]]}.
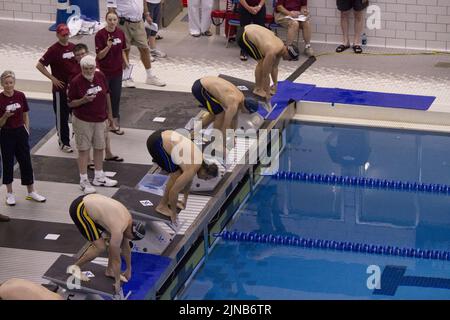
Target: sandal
{"points": [[243, 57], [342, 48], [357, 49], [117, 131], [114, 158], [158, 37], [207, 33]]}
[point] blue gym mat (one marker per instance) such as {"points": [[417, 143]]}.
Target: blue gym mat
{"points": [[368, 98], [286, 92], [146, 271]]}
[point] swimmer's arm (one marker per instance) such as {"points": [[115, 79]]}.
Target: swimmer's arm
{"points": [[227, 121], [274, 72], [182, 182], [126, 254], [268, 63], [114, 256], [186, 190]]}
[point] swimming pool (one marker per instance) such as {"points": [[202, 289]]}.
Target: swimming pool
{"points": [[342, 213]]}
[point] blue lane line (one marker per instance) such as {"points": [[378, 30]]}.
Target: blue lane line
{"points": [[363, 182], [334, 245]]}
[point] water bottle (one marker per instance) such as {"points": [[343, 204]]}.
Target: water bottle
{"points": [[364, 39]]}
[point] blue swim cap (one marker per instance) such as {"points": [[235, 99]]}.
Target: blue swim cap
{"points": [[251, 105]]}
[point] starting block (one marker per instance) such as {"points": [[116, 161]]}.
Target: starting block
{"points": [[99, 285], [141, 205]]}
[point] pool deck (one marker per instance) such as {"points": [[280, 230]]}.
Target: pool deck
{"points": [[383, 70]]}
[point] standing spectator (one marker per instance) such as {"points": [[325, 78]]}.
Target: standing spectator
{"points": [[251, 11], [62, 64], [154, 7], [80, 51], [15, 124], [199, 13], [130, 13], [3, 218], [344, 6], [88, 95], [110, 47], [286, 11]]}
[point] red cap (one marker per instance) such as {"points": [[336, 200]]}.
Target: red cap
{"points": [[62, 29]]}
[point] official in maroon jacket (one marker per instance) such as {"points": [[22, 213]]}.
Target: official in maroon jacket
{"points": [[15, 125], [88, 96], [63, 67]]}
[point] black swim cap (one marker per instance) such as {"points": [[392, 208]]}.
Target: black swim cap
{"points": [[138, 230], [293, 51], [251, 105]]}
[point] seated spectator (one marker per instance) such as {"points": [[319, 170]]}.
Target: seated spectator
{"points": [[285, 13], [344, 6], [15, 124], [89, 99]]}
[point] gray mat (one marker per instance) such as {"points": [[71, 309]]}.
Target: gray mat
{"points": [[239, 82], [30, 234], [65, 170], [131, 198], [98, 284], [139, 107]]}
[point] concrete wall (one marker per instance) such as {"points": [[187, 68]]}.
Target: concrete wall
{"points": [[418, 24], [421, 24]]}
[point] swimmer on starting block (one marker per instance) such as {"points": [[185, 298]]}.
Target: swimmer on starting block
{"points": [[20, 289], [223, 100], [267, 49], [168, 147], [94, 214]]}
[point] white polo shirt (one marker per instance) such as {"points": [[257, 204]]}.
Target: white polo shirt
{"points": [[128, 9]]}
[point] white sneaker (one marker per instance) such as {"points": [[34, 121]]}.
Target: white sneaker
{"points": [[10, 199], [36, 197], [155, 81], [66, 149], [309, 52], [104, 181], [158, 53], [86, 186], [128, 84]]}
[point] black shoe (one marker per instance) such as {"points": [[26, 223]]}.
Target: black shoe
{"points": [[4, 218]]}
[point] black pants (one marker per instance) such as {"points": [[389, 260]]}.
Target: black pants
{"points": [[115, 90], [14, 143], [247, 18], [60, 103]]}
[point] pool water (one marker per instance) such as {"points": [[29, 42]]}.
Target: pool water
{"points": [[407, 219]]}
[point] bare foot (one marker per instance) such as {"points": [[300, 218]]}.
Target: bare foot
{"points": [[111, 275], [181, 205], [273, 90], [165, 210], [260, 93]]}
